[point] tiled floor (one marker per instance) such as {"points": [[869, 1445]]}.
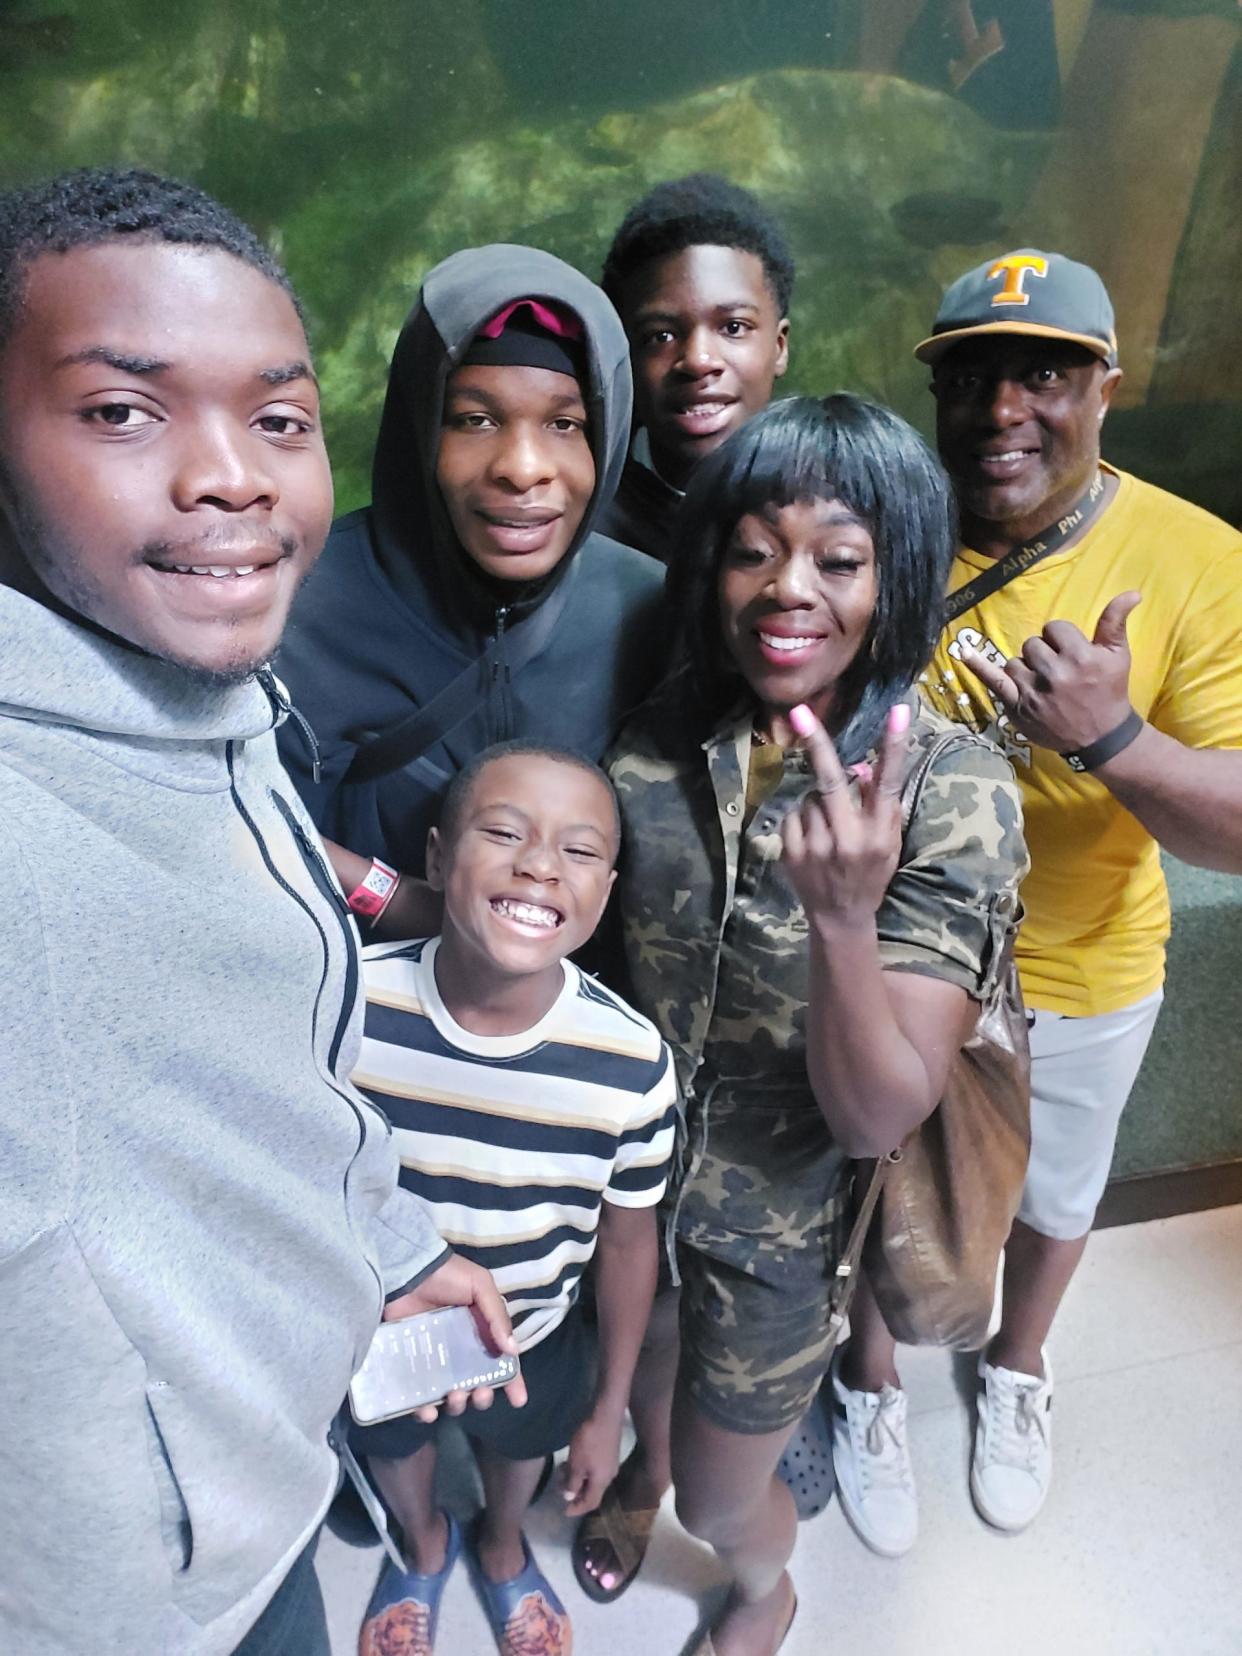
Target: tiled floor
{"points": [[1137, 1553]]}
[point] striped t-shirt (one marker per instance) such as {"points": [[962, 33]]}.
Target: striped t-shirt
{"points": [[512, 1140]]}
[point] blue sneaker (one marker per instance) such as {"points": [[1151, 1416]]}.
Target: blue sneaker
{"points": [[405, 1606]]}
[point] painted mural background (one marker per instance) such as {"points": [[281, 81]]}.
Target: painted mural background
{"points": [[900, 141]]}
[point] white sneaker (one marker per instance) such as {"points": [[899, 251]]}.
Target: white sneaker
{"points": [[875, 1480], [1012, 1463]]}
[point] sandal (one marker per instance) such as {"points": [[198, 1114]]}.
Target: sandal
{"points": [[626, 1533], [806, 1467], [706, 1647], [524, 1613], [405, 1606]]}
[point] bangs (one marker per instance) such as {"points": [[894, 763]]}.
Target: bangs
{"points": [[799, 450], [793, 453]]}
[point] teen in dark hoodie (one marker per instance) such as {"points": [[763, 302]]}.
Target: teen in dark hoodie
{"points": [[503, 435]]}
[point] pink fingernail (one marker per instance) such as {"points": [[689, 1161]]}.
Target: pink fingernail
{"points": [[802, 719], [899, 718], [862, 771]]}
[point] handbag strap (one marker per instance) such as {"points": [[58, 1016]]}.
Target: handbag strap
{"points": [[402, 743], [916, 777], [993, 985], [845, 1277]]}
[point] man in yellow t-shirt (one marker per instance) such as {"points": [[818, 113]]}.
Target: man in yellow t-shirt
{"points": [[1095, 634]]}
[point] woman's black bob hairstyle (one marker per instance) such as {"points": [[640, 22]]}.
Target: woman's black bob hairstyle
{"points": [[835, 448]]}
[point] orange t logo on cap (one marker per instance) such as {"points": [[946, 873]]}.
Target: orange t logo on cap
{"points": [[1014, 267]]}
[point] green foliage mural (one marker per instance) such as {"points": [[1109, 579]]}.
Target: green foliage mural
{"points": [[367, 141], [849, 158]]}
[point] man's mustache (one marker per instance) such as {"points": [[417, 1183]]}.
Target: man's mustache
{"points": [[266, 543]]}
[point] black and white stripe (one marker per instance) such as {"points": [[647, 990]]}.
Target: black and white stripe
{"points": [[514, 1141]]}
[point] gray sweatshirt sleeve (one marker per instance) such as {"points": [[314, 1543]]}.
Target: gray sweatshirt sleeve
{"points": [[409, 1245], [84, 1569], [36, 1107]]}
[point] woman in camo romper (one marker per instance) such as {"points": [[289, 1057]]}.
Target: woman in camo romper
{"points": [[813, 970]]}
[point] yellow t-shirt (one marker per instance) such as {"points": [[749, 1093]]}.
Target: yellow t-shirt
{"points": [[1097, 910]]}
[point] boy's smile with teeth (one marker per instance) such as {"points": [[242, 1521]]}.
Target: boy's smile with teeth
{"points": [[525, 861], [527, 914]]}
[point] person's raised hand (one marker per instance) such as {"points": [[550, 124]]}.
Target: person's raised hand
{"points": [[460, 1282], [1066, 690], [840, 853]]}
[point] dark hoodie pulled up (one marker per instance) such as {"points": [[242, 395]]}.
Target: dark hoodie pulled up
{"points": [[396, 609]]}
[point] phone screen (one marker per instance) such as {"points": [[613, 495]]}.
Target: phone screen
{"points": [[420, 1360]]}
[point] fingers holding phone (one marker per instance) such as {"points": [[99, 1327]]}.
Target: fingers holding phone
{"points": [[417, 1363], [461, 1284]]}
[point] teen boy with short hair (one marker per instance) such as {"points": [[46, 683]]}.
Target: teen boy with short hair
{"points": [[200, 1224], [702, 278], [533, 1112]]}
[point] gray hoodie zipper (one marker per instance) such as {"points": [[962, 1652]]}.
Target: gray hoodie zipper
{"points": [[311, 857]]}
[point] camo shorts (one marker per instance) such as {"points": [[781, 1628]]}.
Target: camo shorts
{"points": [[760, 1219]]}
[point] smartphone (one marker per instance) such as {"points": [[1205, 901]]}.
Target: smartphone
{"points": [[421, 1360]]}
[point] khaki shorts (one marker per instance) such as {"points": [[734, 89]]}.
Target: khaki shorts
{"points": [[759, 1221], [1082, 1071]]}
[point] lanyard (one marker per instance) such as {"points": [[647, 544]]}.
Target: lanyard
{"points": [[1025, 557]]}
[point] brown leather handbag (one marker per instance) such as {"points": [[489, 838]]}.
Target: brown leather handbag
{"points": [[948, 1197]]}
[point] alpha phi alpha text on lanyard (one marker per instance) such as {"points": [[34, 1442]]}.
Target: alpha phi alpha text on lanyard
{"points": [[1022, 558]]}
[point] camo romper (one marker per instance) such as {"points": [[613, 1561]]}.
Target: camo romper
{"points": [[716, 950]]}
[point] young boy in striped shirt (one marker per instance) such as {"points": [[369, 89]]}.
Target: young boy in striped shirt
{"points": [[534, 1112]]}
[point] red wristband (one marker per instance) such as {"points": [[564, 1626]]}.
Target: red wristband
{"points": [[371, 897]]}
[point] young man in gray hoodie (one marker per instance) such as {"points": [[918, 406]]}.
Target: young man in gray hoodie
{"points": [[199, 1223]]}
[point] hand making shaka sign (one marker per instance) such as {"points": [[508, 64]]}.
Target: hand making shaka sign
{"points": [[1066, 691], [840, 852]]}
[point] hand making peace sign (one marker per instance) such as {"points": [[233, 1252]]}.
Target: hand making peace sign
{"points": [[840, 853]]}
